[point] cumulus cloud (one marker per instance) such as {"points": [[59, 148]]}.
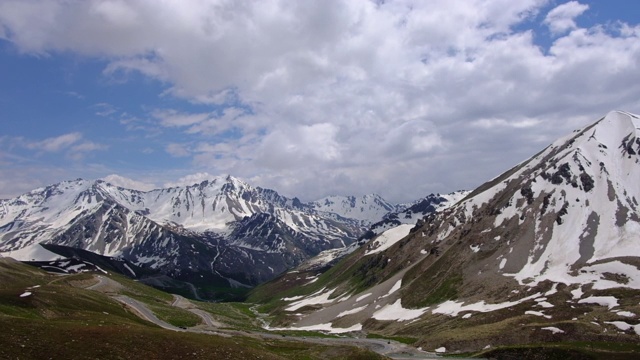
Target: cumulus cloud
{"points": [[314, 97], [294, 147], [562, 18]]}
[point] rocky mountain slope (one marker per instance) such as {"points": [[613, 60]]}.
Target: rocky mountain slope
{"points": [[223, 228], [546, 252]]}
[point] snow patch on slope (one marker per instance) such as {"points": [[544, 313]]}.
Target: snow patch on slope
{"points": [[32, 253], [317, 298], [453, 308], [396, 312], [608, 301], [352, 311], [388, 238], [328, 327]]}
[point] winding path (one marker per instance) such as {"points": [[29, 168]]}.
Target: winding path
{"points": [[185, 304], [391, 349], [144, 312]]}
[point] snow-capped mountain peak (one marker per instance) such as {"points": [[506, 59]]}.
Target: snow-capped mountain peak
{"points": [[367, 208], [572, 206]]}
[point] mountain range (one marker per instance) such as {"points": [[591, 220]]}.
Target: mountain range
{"points": [[548, 251], [218, 233], [542, 261]]}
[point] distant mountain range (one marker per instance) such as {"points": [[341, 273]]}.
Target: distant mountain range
{"points": [[222, 231], [549, 251], [367, 208]]}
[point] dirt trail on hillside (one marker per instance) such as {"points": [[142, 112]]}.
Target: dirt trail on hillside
{"points": [[208, 320]]}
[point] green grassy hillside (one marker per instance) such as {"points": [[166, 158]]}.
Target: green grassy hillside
{"points": [[60, 319]]}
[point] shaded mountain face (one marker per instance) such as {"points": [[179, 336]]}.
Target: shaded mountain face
{"points": [[548, 251], [223, 227]]}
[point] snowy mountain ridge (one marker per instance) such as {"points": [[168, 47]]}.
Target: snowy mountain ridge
{"points": [[589, 194], [211, 206], [366, 208], [548, 251], [222, 226]]}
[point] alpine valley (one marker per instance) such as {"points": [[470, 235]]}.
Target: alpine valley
{"points": [[213, 240], [543, 260]]}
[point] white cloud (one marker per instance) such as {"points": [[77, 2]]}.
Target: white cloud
{"points": [[55, 144], [79, 151], [190, 179], [314, 97], [492, 123], [299, 145], [209, 123], [74, 94], [125, 182], [174, 118], [217, 124], [87, 146], [177, 150], [562, 18], [72, 143], [104, 109]]}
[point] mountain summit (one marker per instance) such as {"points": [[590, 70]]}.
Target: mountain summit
{"points": [[547, 251]]}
